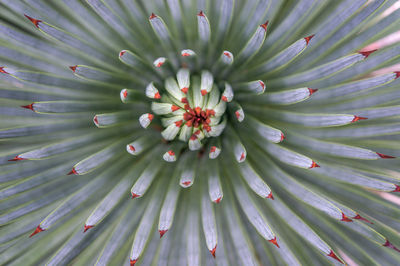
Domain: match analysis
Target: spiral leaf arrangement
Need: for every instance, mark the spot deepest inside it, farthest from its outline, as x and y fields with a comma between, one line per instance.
x=283, y=112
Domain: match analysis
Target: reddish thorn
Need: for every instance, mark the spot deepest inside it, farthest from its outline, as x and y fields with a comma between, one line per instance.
x=73, y=172
x=201, y=14
x=345, y=218
x=125, y=93
x=150, y=117
x=134, y=195
x=213, y=149
x=262, y=84
x=309, y=38
x=273, y=241
x=17, y=158
x=122, y=53
x=203, y=92
x=184, y=90
x=218, y=200
x=396, y=72
x=95, y=120
x=160, y=64
x=333, y=255
x=390, y=245
x=186, y=183
x=237, y=114
x=132, y=262
x=224, y=98
x=157, y=95
x=356, y=118
x=37, y=230
x=397, y=189
x=314, y=165
x=152, y=16
x=30, y=106
x=359, y=217
x=367, y=53
x=227, y=54
x=171, y=152
x=184, y=100
x=213, y=251
x=174, y=108
x=264, y=26
x=162, y=232
x=87, y=227
x=185, y=54
x=3, y=71
x=282, y=137
x=73, y=68
x=383, y=156
x=270, y=196
x=132, y=148
x=312, y=91
x=242, y=156
x=34, y=21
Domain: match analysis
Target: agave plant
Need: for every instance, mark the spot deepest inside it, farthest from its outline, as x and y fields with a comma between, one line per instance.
x=256, y=132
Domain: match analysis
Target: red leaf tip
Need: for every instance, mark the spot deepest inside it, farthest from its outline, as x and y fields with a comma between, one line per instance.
x=397, y=189
x=122, y=53
x=390, y=245
x=87, y=227
x=270, y=196
x=264, y=26
x=218, y=200
x=367, y=53
x=201, y=14
x=273, y=241
x=345, y=218
x=312, y=91
x=37, y=230
x=333, y=255
x=384, y=156
x=357, y=118
x=73, y=172
x=162, y=232
x=34, y=21
x=132, y=262
x=309, y=38
x=29, y=106
x=3, y=71
x=73, y=68
x=396, y=72
x=134, y=195
x=314, y=165
x=282, y=137
x=152, y=16
x=359, y=217
x=213, y=251
x=16, y=158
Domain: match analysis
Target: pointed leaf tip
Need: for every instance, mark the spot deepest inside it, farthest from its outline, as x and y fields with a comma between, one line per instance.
x=73, y=172
x=34, y=21
x=390, y=245
x=359, y=217
x=367, y=53
x=87, y=227
x=213, y=251
x=357, y=118
x=134, y=195
x=282, y=137
x=201, y=14
x=397, y=189
x=333, y=255
x=37, y=230
x=312, y=91
x=132, y=262
x=270, y=196
x=122, y=53
x=309, y=38
x=152, y=16
x=29, y=106
x=314, y=165
x=17, y=158
x=218, y=200
x=273, y=241
x=396, y=72
x=162, y=232
x=3, y=71
x=345, y=218
x=264, y=26
x=383, y=156
x=73, y=68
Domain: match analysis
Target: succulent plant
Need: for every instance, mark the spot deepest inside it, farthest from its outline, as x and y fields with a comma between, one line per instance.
x=258, y=132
